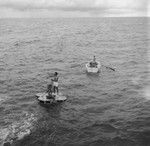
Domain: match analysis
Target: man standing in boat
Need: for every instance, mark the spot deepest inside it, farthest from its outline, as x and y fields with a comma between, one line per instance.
x=55, y=82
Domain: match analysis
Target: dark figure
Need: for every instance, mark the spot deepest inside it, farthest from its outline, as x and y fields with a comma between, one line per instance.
x=49, y=91
x=93, y=63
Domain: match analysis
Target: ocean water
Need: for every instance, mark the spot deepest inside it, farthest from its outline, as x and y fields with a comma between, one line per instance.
x=108, y=109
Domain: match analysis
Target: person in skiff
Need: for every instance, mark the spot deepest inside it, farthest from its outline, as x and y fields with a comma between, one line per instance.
x=93, y=63
x=55, y=82
x=49, y=91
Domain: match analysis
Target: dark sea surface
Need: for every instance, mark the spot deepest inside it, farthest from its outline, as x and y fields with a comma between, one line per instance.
x=108, y=109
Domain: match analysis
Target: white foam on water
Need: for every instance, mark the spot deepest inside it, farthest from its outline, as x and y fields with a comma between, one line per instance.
x=136, y=80
x=3, y=135
x=146, y=92
x=3, y=98
x=18, y=129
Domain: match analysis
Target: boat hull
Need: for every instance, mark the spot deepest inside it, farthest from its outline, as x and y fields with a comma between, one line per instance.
x=42, y=97
x=93, y=69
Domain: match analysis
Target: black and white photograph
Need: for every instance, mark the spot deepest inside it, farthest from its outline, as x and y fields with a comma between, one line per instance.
x=74, y=73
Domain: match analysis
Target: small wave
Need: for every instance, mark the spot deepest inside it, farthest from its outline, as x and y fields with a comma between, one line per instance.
x=2, y=69
x=57, y=69
x=3, y=98
x=26, y=42
x=125, y=89
x=136, y=80
x=2, y=82
x=75, y=65
x=99, y=109
x=77, y=86
x=105, y=127
x=104, y=93
x=129, y=63
x=118, y=95
x=133, y=62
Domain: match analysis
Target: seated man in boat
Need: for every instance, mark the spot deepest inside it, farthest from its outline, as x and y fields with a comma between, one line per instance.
x=49, y=90
x=93, y=63
x=55, y=82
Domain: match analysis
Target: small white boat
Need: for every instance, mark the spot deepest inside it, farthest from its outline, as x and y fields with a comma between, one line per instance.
x=93, y=69
x=43, y=98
